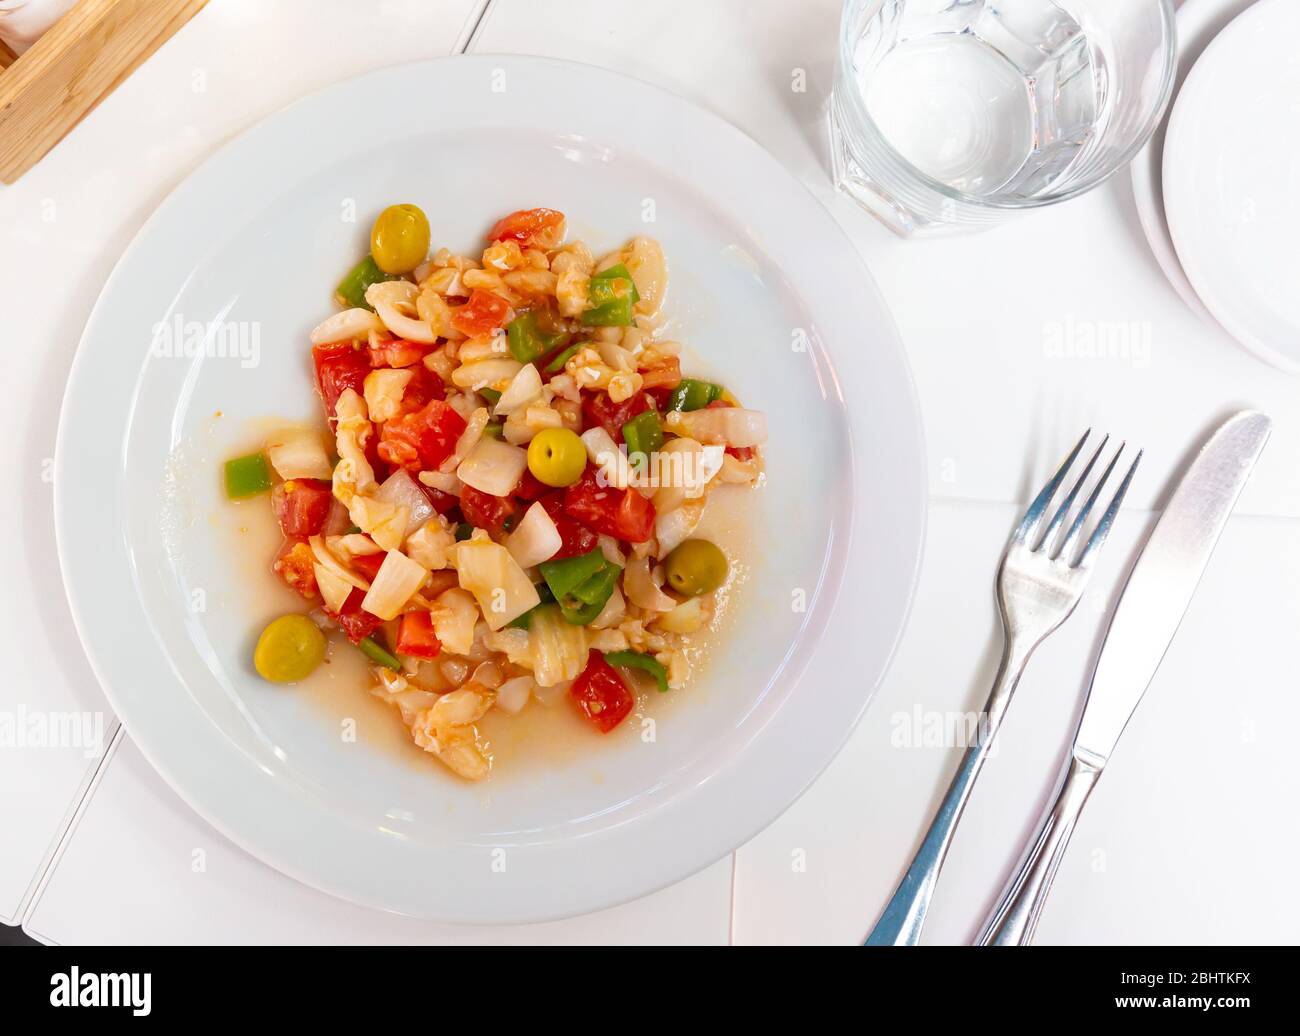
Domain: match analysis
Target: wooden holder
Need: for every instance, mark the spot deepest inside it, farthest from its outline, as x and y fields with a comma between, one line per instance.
x=74, y=66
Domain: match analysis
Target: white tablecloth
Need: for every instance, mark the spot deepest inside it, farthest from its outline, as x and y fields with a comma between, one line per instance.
x=1190, y=819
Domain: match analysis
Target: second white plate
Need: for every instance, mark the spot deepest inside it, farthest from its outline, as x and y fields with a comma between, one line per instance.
x=1232, y=180
x=1198, y=22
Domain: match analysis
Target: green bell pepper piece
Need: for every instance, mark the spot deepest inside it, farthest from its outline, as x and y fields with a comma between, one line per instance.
x=589, y=600
x=247, y=476
x=581, y=585
x=528, y=342
x=491, y=395
x=693, y=394
x=612, y=294
x=494, y=429
x=636, y=660
x=378, y=654
x=352, y=288
x=643, y=435
x=464, y=531
x=567, y=574
x=561, y=358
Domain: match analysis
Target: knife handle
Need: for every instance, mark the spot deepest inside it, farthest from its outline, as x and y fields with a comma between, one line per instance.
x=1014, y=919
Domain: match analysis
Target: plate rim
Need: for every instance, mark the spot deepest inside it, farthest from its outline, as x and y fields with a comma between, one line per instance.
x=1191, y=19
x=889, y=342
x=1180, y=115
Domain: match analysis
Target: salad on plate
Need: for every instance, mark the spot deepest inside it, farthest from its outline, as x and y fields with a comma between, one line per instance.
x=503, y=505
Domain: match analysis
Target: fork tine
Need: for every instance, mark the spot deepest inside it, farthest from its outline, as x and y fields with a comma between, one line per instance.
x=1072, y=536
x=1044, y=498
x=1099, y=534
x=1059, y=518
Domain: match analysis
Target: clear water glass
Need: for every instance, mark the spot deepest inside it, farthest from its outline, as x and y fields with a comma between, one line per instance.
x=956, y=114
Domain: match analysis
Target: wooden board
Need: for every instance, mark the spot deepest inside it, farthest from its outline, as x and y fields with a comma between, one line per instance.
x=73, y=67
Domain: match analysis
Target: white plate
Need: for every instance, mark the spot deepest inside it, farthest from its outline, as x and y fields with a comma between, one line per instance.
x=1198, y=22
x=1232, y=180
x=255, y=239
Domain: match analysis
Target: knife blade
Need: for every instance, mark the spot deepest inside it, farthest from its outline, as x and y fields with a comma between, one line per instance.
x=1164, y=578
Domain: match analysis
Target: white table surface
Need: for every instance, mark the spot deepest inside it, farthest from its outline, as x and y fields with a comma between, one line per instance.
x=1185, y=825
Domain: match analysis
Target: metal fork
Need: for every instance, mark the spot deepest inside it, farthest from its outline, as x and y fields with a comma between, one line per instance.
x=1040, y=582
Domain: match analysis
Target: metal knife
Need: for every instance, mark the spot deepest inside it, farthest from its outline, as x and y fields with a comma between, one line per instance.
x=1154, y=600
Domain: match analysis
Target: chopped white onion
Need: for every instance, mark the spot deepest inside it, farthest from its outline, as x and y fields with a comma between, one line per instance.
x=612, y=614
x=443, y=481
x=483, y=373
x=339, y=520
x=299, y=453
x=500, y=586
x=609, y=547
x=493, y=467
x=333, y=588
x=468, y=440
x=602, y=451
x=672, y=528
x=535, y=539
x=522, y=390
x=327, y=560
x=403, y=491
x=642, y=589
x=398, y=578
x=513, y=695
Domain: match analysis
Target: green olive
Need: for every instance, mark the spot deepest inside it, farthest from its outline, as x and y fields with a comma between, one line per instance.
x=557, y=457
x=289, y=649
x=696, y=567
x=399, y=241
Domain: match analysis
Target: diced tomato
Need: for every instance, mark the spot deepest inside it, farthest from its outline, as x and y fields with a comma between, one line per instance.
x=422, y=439
x=575, y=538
x=339, y=367
x=354, y=620
x=622, y=513
x=484, y=511
x=302, y=505
x=543, y=228
x=599, y=409
x=381, y=467
x=600, y=693
x=423, y=386
x=295, y=564
x=530, y=487
x=481, y=315
x=415, y=636
x=369, y=564
x=396, y=352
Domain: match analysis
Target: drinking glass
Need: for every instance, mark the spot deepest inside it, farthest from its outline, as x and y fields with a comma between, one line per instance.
x=956, y=114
